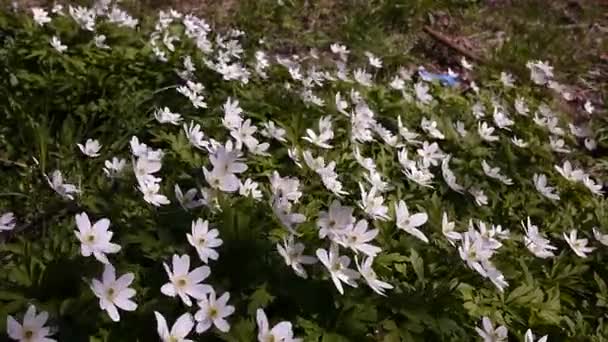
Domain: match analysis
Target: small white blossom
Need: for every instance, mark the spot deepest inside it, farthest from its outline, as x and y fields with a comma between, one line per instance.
x=57, y=45
x=410, y=223
x=204, y=240
x=490, y=334
x=7, y=222
x=90, y=148
x=114, y=292
x=185, y=283
x=540, y=183
x=579, y=246
x=292, y=253
x=164, y=115
x=32, y=329
x=95, y=239
x=213, y=312
x=41, y=16
x=337, y=265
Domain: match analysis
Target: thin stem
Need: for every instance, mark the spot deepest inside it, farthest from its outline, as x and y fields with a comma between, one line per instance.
x=14, y=163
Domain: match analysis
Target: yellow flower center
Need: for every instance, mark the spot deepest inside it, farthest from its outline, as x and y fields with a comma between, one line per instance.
x=181, y=282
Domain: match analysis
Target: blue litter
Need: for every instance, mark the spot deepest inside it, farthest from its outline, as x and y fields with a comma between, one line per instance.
x=445, y=79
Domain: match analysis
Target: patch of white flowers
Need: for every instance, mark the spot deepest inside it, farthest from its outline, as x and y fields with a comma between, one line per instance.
x=347, y=234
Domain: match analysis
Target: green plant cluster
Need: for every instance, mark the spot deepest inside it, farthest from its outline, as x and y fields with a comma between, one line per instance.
x=52, y=101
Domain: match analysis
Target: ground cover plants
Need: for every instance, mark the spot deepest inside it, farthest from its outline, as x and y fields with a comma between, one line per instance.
x=166, y=180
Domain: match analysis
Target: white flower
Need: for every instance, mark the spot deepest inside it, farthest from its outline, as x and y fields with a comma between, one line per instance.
x=150, y=190
x=410, y=137
x=193, y=91
x=195, y=135
x=480, y=197
x=95, y=239
x=287, y=187
x=558, y=145
x=205, y=240
x=179, y=331
x=32, y=330
x=7, y=221
x=226, y=163
x=485, y=132
x=602, y=238
x=373, y=60
x=410, y=223
x=281, y=332
x=501, y=119
x=340, y=50
x=232, y=114
x=529, y=337
x=572, y=175
x=213, y=312
x=337, y=266
x=397, y=83
x=417, y=173
x=588, y=107
x=447, y=229
x=460, y=128
x=121, y=18
x=187, y=200
x=521, y=107
x=494, y=172
x=243, y=134
x=114, y=292
x=431, y=154
x=57, y=45
x=490, y=334
x=183, y=282
x=373, y=205
x=465, y=64
x=422, y=93
x=292, y=253
x=448, y=175
x=281, y=207
x=115, y=167
x=164, y=115
x=540, y=72
x=540, y=183
x=85, y=17
x=535, y=242
x=249, y=188
x=579, y=246
x=270, y=130
x=519, y=142
x=367, y=272
x=357, y=238
x=595, y=188
x=362, y=77
x=507, y=80
x=326, y=133
x=337, y=220
x=65, y=190
x=430, y=126
x=590, y=144
x=41, y=16
x=366, y=163
x=100, y=41
x=478, y=110
x=90, y=148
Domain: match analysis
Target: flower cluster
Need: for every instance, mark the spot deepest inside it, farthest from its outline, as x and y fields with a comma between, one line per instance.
x=344, y=185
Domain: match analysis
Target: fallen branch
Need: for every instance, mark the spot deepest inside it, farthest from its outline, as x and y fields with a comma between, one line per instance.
x=445, y=40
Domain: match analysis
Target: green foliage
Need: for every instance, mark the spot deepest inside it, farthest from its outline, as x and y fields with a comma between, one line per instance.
x=53, y=101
